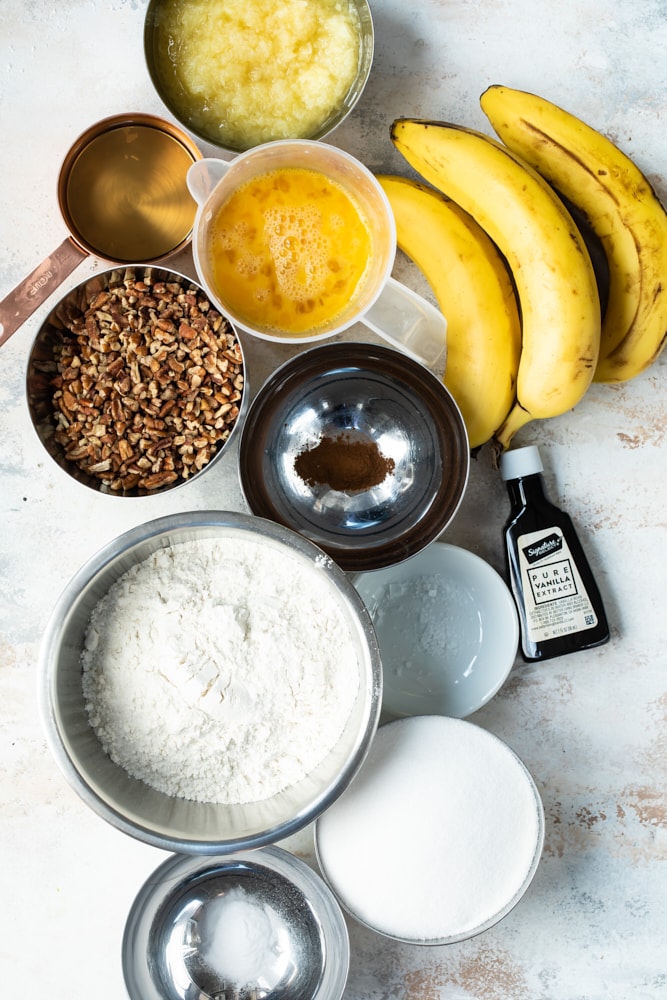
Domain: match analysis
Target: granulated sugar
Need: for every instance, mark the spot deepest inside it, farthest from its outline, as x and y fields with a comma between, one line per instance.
x=438, y=834
x=220, y=670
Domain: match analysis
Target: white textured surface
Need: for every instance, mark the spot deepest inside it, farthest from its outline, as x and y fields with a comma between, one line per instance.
x=590, y=727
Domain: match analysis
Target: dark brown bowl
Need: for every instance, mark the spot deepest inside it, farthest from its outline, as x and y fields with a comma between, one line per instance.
x=345, y=401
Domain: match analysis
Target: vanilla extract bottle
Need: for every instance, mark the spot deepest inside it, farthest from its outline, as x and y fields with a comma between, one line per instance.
x=559, y=604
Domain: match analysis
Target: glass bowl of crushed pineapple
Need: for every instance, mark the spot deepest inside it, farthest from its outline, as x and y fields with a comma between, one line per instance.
x=238, y=73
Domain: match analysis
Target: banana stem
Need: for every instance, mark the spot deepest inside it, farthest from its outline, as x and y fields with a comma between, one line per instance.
x=517, y=417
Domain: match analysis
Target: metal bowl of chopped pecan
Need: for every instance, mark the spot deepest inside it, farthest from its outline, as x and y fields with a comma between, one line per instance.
x=135, y=383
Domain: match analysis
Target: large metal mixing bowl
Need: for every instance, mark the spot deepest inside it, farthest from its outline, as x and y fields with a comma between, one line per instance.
x=172, y=822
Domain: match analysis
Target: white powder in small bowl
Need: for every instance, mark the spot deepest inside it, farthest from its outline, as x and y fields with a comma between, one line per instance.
x=438, y=836
x=242, y=938
x=221, y=670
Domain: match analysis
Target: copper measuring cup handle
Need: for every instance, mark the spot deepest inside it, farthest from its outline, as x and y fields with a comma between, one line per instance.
x=22, y=301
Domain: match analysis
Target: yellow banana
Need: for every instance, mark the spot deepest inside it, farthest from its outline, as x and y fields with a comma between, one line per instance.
x=552, y=270
x=473, y=288
x=620, y=206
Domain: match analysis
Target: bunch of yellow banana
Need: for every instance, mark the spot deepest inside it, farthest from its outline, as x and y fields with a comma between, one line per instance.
x=621, y=208
x=472, y=286
x=545, y=251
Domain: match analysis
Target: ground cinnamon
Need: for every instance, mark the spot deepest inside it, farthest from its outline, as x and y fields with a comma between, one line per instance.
x=343, y=464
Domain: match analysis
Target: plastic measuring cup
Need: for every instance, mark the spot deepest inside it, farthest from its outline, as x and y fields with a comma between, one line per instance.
x=385, y=305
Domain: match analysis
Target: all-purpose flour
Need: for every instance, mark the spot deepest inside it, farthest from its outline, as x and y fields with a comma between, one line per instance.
x=220, y=670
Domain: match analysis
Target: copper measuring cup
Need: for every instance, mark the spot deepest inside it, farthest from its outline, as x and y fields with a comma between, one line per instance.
x=123, y=196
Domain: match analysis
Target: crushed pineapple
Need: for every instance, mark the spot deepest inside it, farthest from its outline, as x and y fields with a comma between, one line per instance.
x=248, y=71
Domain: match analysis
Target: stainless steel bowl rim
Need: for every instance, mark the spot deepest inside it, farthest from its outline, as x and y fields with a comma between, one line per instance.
x=271, y=414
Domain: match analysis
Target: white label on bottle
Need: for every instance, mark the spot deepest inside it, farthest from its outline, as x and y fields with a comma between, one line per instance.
x=555, y=597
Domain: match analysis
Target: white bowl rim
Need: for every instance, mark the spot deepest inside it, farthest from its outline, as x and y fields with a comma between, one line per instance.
x=491, y=921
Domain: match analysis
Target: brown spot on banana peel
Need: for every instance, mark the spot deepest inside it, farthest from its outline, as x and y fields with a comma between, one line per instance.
x=621, y=356
x=637, y=191
x=617, y=358
x=519, y=416
x=425, y=122
x=595, y=247
x=550, y=143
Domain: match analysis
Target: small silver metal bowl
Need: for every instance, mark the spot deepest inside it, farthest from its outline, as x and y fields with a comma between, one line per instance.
x=168, y=821
x=365, y=394
x=174, y=96
x=257, y=925
x=42, y=370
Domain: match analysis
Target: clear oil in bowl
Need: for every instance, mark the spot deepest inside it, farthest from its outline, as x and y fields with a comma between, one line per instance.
x=126, y=194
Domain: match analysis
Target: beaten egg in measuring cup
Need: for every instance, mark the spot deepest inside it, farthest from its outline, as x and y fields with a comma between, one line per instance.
x=290, y=248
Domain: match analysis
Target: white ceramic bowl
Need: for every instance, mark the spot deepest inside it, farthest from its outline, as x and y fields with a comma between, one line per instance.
x=448, y=631
x=438, y=837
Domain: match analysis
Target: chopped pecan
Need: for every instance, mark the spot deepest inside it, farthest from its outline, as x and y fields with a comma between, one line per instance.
x=146, y=384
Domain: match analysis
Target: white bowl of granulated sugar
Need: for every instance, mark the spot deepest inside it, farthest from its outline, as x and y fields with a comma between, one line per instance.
x=209, y=682
x=440, y=835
